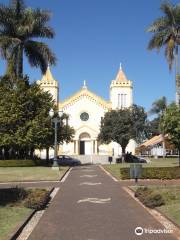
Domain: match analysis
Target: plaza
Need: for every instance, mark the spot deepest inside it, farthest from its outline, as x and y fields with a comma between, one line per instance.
x=89, y=146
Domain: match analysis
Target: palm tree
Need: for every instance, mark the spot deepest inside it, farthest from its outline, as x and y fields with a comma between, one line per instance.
x=19, y=29
x=166, y=33
x=159, y=106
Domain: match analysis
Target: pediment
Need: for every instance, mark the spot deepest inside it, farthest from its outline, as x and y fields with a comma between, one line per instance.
x=86, y=129
x=85, y=93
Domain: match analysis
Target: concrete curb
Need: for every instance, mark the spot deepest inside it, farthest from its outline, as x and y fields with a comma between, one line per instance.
x=109, y=174
x=167, y=223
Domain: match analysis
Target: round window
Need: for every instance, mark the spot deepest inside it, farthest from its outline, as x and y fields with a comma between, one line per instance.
x=84, y=116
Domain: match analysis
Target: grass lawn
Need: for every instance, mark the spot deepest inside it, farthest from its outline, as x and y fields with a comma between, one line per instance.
x=30, y=173
x=171, y=195
x=161, y=162
x=10, y=219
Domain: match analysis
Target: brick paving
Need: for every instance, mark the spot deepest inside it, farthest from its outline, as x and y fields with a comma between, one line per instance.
x=91, y=206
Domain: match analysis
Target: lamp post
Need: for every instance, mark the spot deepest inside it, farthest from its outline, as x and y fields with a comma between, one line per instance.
x=55, y=120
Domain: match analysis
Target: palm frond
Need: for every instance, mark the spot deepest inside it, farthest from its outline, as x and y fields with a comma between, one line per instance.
x=168, y=10
x=18, y=6
x=39, y=55
x=157, y=40
x=18, y=25
x=8, y=46
x=158, y=25
x=40, y=27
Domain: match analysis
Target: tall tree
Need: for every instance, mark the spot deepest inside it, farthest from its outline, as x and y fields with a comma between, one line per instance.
x=139, y=126
x=153, y=128
x=122, y=125
x=170, y=124
x=158, y=108
x=25, y=124
x=19, y=29
x=166, y=33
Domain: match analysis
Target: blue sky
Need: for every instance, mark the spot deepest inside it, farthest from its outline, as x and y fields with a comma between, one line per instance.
x=94, y=36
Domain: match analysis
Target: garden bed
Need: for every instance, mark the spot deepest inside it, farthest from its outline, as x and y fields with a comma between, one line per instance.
x=164, y=199
x=16, y=204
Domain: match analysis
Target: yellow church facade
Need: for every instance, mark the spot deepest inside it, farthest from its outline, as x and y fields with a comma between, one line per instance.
x=85, y=110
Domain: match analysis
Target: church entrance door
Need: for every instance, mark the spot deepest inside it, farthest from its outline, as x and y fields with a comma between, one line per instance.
x=85, y=144
x=85, y=148
x=82, y=147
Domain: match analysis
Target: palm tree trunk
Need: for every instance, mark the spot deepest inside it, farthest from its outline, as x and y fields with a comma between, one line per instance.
x=177, y=77
x=20, y=62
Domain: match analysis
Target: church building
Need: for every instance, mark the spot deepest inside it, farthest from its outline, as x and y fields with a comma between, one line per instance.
x=85, y=110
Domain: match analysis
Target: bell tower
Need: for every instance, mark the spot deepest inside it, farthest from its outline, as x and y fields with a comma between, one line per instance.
x=121, y=91
x=49, y=84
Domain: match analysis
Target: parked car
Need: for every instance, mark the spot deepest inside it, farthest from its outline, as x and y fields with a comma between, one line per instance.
x=129, y=158
x=64, y=160
x=138, y=159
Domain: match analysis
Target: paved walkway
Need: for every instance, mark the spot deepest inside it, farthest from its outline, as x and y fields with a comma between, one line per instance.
x=91, y=206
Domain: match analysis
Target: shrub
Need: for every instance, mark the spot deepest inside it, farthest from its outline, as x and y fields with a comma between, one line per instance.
x=37, y=199
x=154, y=200
x=142, y=193
x=11, y=195
x=148, y=197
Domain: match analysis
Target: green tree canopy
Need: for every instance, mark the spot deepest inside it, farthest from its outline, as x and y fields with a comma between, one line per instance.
x=170, y=124
x=25, y=124
x=153, y=128
x=122, y=125
x=158, y=108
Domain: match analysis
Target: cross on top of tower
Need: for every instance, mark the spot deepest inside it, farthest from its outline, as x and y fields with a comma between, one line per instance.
x=84, y=84
x=120, y=66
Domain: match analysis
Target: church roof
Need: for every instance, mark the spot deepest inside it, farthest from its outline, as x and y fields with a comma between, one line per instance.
x=84, y=92
x=121, y=80
x=121, y=77
x=48, y=77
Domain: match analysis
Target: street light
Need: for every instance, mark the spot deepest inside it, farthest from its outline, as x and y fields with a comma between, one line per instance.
x=55, y=120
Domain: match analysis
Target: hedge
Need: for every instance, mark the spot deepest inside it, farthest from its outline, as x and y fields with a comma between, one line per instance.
x=154, y=173
x=22, y=163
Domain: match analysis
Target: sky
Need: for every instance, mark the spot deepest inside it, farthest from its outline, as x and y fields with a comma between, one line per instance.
x=94, y=36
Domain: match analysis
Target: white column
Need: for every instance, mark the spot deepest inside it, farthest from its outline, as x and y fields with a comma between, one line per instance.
x=74, y=150
x=96, y=147
x=77, y=147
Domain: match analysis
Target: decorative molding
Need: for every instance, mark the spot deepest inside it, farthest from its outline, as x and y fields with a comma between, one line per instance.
x=89, y=95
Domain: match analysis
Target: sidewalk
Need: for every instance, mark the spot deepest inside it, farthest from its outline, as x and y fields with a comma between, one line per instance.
x=91, y=206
